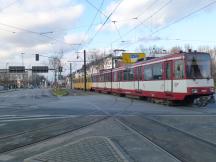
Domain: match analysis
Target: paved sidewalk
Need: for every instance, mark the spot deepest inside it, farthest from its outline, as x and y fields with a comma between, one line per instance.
x=92, y=149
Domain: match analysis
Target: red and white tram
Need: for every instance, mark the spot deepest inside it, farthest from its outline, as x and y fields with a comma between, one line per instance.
x=176, y=77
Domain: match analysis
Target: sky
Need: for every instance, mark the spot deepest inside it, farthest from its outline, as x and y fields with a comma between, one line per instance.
x=69, y=26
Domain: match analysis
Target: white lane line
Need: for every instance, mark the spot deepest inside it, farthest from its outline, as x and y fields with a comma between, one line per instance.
x=27, y=119
x=43, y=118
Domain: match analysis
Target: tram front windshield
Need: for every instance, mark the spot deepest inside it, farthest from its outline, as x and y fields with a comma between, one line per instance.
x=198, y=66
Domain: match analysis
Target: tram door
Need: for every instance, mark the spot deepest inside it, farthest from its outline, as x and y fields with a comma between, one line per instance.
x=168, y=82
x=137, y=84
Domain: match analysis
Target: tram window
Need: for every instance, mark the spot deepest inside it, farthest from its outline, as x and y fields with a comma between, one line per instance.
x=102, y=78
x=131, y=74
x=157, y=71
x=105, y=77
x=139, y=73
x=115, y=76
x=168, y=71
x=109, y=77
x=148, y=73
x=119, y=76
x=125, y=74
x=179, y=69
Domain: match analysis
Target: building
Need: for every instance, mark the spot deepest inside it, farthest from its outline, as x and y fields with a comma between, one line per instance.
x=101, y=64
x=13, y=79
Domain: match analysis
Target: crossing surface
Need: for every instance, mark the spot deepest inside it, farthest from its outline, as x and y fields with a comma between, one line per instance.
x=34, y=123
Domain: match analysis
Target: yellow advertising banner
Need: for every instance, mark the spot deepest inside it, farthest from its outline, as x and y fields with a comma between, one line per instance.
x=130, y=58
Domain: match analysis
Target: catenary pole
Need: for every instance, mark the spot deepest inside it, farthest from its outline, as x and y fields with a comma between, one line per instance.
x=85, y=70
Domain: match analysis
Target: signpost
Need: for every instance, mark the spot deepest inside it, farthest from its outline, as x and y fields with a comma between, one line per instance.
x=40, y=69
x=16, y=69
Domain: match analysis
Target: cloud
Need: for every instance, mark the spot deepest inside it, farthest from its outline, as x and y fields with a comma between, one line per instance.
x=75, y=38
x=151, y=12
x=41, y=17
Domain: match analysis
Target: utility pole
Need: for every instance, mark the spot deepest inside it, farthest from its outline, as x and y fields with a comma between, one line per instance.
x=71, y=76
x=24, y=72
x=55, y=76
x=85, y=70
x=6, y=76
x=112, y=59
x=22, y=58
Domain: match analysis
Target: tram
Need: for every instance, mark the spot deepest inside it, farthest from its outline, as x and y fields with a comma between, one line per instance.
x=185, y=76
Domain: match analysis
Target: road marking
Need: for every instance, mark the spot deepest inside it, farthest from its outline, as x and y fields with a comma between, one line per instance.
x=42, y=118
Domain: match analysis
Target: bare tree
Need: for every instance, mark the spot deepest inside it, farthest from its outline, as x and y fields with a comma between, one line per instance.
x=187, y=47
x=95, y=54
x=55, y=63
x=175, y=49
x=152, y=50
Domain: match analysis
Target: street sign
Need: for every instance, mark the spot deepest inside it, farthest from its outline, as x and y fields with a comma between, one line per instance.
x=40, y=69
x=37, y=57
x=16, y=69
x=130, y=58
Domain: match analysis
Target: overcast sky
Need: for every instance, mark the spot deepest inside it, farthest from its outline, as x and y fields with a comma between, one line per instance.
x=49, y=26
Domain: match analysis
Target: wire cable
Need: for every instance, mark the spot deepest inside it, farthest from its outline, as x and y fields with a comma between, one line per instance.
x=101, y=27
x=114, y=22
x=184, y=17
x=9, y=5
x=12, y=32
x=33, y=32
x=178, y=20
x=98, y=9
x=142, y=22
x=93, y=20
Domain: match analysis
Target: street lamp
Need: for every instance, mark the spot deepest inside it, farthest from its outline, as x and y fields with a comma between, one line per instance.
x=6, y=76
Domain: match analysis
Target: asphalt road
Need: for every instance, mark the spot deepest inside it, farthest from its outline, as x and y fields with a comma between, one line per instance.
x=33, y=121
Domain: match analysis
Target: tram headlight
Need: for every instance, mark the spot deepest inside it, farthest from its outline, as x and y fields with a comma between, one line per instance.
x=212, y=89
x=194, y=90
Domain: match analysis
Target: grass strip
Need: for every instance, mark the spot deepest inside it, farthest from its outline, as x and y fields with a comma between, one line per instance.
x=60, y=92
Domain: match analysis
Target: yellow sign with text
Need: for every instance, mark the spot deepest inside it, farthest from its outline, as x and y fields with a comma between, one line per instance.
x=130, y=58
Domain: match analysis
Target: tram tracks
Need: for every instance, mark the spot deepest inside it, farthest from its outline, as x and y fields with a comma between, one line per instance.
x=118, y=118
x=8, y=144
x=161, y=135
x=180, y=144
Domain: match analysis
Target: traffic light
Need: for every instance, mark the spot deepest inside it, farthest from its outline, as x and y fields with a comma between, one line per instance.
x=37, y=57
x=60, y=69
